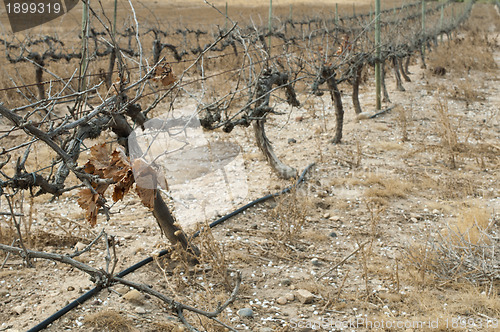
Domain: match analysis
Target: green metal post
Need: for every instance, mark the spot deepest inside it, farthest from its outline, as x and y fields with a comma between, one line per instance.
x=83, y=61
x=114, y=18
x=336, y=13
x=270, y=24
x=378, y=75
x=423, y=26
x=441, y=22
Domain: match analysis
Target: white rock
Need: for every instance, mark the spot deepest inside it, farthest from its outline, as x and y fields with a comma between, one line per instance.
x=19, y=309
x=134, y=296
x=245, y=312
x=281, y=300
x=365, y=115
x=140, y=310
x=122, y=289
x=315, y=262
x=305, y=296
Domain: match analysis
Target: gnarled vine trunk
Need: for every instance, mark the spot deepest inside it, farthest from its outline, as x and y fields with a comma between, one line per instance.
x=263, y=92
x=328, y=74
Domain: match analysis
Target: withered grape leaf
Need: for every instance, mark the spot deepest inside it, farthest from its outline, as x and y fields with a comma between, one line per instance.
x=99, y=156
x=123, y=187
x=87, y=201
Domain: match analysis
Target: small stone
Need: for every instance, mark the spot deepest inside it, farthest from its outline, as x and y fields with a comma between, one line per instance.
x=290, y=297
x=128, y=237
x=4, y=293
x=18, y=309
x=134, y=296
x=245, y=312
x=122, y=289
x=292, y=287
x=326, y=215
x=364, y=115
x=179, y=328
x=315, y=262
x=266, y=329
x=305, y=296
x=413, y=220
x=292, y=141
x=70, y=288
x=286, y=282
x=333, y=234
x=140, y=310
x=299, y=118
x=335, y=218
x=281, y=300
x=254, y=226
x=80, y=246
x=141, y=230
x=436, y=211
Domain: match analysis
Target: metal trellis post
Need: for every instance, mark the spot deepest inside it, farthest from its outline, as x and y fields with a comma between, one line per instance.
x=378, y=55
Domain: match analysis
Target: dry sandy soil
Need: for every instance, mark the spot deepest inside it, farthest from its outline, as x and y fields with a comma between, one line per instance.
x=394, y=184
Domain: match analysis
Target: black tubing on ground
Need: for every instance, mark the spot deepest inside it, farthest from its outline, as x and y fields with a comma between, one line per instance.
x=94, y=291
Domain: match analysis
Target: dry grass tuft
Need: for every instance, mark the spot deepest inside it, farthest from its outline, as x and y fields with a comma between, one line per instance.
x=290, y=216
x=447, y=132
x=402, y=121
x=213, y=254
x=110, y=320
x=472, y=226
x=388, y=188
x=466, y=56
x=462, y=252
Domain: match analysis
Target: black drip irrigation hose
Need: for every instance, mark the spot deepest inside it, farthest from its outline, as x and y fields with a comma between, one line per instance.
x=94, y=291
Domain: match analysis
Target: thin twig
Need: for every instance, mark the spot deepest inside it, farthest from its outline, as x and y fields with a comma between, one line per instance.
x=18, y=228
x=343, y=260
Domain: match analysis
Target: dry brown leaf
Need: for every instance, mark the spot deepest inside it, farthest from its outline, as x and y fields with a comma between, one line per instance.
x=99, y=156
x=89, y=168
x=87, y=199
x=118, y=167
x=123, y=187
x=88, y=202
x=164, y=74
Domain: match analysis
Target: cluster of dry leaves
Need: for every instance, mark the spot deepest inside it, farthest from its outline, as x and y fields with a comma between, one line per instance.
x=117, y=167
x=164, y=74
